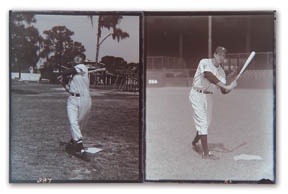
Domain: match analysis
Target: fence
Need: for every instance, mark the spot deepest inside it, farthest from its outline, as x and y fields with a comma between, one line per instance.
x=164, y=62
x=125, y=80
x=234, y=61
x=259, y=73
x=261, y=61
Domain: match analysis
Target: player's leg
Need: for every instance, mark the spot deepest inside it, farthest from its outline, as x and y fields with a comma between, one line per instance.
x=73, y=117
x=206, y=153
x=73, y=114
x=204, y=137
x=205, y=124
x=206, y=120
x=198, y=102
x=195, y=146
x=204, y=143
x=75, y=146
x=84, y=110
x=196, y=138
x=202, y=119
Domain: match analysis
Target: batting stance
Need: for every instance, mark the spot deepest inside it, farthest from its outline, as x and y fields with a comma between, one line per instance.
x=78, y=104
x=208, y=77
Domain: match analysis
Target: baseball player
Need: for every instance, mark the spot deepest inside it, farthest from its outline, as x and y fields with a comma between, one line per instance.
x=208, y=77
x=78, y=104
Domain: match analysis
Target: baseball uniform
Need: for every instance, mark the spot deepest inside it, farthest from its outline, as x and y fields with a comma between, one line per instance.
x=79, y=102
x=201, y=94
x=209, y=76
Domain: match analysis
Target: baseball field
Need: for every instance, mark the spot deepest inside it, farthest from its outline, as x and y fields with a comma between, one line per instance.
x=38, y=125
x=241, y=135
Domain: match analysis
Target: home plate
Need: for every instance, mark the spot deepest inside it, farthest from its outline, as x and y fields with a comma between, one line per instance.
x=247, y=157
x=92, y=150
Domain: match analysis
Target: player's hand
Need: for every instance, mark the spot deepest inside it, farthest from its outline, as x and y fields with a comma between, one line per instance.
x=233, y=84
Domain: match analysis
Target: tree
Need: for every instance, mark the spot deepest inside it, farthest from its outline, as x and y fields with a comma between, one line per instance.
x=114, y=64
x=108, y=21
x=59, y=48
x=25, y=41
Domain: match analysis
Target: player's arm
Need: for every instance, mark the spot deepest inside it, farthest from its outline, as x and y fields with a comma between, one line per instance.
x=224, y=91
x=230, y=77
x=70, y=71
x=225, y=88
x=61, y=77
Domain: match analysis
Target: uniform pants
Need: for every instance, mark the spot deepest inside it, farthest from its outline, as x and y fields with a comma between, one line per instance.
x=78, y=109
x=202, y=110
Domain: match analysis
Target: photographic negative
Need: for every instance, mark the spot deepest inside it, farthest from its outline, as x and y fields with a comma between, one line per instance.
x=142, y=96
x=210, y=97
x=75, y=102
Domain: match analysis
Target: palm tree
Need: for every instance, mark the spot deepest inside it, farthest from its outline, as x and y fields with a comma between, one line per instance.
x=108, y=21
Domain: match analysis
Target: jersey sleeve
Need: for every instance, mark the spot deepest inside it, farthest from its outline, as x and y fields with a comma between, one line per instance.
x=81, y=69
x=204, y=66
x=211, y=77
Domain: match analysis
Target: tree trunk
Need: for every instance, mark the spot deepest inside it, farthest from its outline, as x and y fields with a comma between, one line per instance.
x=98, y=39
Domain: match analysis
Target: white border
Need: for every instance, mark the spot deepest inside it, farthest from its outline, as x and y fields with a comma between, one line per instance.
x=152, y=5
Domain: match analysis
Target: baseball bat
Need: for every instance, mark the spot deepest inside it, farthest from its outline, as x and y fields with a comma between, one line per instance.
x=248, y=61
x=97, y=70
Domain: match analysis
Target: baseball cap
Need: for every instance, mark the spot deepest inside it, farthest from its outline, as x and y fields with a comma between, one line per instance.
x=220, y=50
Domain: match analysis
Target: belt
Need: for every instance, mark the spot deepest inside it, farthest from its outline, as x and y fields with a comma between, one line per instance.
x=74, y=94
x=202, y=91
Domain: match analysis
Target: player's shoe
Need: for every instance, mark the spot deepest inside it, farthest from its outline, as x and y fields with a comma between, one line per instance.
x=74, y=146
x=84, y=156
x=209, y=156
x=77, y=149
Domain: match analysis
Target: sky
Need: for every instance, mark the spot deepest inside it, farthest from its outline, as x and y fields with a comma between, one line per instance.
x=85, y=33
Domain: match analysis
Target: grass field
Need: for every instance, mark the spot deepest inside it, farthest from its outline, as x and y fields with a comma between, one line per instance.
x=39, y=123
x=242, y=123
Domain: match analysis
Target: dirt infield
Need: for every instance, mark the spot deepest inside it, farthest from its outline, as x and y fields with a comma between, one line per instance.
x=242, y=124
x=39, y=123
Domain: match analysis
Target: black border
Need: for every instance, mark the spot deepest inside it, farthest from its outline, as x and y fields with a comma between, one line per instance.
x=275, y=97
x=10, y=103
x=224, y=13
x=143, y=98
